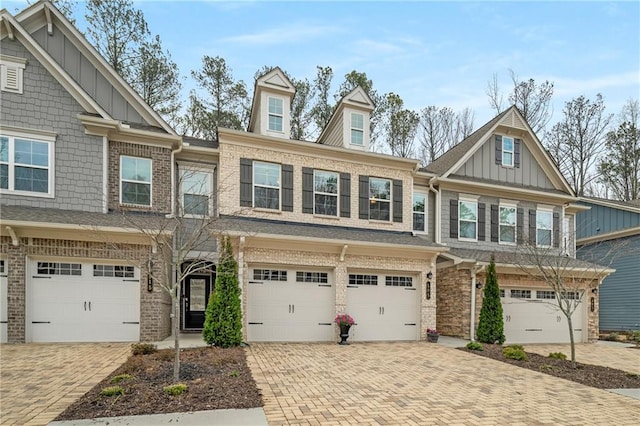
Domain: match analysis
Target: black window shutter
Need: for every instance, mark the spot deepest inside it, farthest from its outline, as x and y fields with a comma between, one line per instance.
x=307, y=190
x=246, y=182
x=495, y=222
x=532, y=227
x=287, y=188
x=556, y=230
x=345, y=195
x=482, y=222
x=520, y=225
x=453, y=218
x=498, y=150
x=397, y=200
x=364, y=197
x=516, y=152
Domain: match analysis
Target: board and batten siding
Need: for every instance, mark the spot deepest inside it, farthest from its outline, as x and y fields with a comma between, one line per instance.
x=86, y=75
x=482, y=165
x=600, y=220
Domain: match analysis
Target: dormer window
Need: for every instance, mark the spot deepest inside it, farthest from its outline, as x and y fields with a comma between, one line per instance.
x=357, y=129
x=507, y=151
x=276, y=111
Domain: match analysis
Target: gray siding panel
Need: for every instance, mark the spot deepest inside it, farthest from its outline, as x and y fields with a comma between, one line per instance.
x=603, y=220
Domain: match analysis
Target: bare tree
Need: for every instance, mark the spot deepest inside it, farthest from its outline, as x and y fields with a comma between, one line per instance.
x=620, y=167
x=578, y=140
x=434, y=131
x=464, y=124
x=496, y=97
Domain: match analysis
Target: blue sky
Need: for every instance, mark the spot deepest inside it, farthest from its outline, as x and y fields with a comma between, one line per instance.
x=430, y=53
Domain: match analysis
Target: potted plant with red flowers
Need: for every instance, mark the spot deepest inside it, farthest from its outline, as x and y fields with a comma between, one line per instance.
x=432, y=335
x=344, y=321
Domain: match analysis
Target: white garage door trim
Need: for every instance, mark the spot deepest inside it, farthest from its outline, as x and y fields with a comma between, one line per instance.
x=532, y=316
x=385, y=306
x=290, y=304
x=82, y=301
x=3, y=300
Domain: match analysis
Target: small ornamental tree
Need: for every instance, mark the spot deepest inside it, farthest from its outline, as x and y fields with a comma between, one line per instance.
x=223, y=317
x=491, y=325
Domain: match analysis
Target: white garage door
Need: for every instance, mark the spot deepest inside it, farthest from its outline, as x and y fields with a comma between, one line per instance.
x=3, y=301
x=83, y=302
x=531, y=316
x=385, y=307
x=289, y=305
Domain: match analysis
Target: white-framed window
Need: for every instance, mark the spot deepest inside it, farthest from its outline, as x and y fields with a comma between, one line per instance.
x=363, y=279
x=113, y=271
x=270, y=275
x=12, y=73
x=507, y=224
x=507, y=151
x=567, y=241
x=26, y=165
x=325, y=193
x=398, y=281
x=420, y=212
x=545, y=294
x=379, y=199
x=544, y=228
x=357, y=129
x=135, y=180
x=266, y=185
x=312, y=277
x=59, y=268
x=468, y=220
x=276, y=113
x=521, y=294
x=196, y=188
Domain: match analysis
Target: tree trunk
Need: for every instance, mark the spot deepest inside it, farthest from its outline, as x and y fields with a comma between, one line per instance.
x=573, y=343
x=176, y=333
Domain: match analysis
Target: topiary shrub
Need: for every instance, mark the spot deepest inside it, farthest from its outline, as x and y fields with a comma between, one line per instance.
x=491, y=324
x=223, y=317
x=475, y=346
x=516, y=353
x=112, y=391
x=557, y=355
x=143, y=348
x=175, y=390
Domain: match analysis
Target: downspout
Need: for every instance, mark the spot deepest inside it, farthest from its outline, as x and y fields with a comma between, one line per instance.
x=173, y=178
x=474, y=271
x=437, y=226
x=243, y=290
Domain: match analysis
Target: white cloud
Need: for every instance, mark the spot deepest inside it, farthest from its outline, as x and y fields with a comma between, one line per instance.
x=290, y=33
x=577, y=87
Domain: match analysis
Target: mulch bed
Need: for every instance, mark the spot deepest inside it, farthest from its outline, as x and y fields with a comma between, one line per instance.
x=216, y=378
x=586, y=374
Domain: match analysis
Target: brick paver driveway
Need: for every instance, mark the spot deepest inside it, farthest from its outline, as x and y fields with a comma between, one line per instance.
x=614, y=356
x=419, y=383
x=38, y=381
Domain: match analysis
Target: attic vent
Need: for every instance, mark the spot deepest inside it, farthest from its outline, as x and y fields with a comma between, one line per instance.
x=11, y=72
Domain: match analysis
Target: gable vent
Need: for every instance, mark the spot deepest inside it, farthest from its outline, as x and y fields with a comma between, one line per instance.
x=11, y=79
x=11, y=72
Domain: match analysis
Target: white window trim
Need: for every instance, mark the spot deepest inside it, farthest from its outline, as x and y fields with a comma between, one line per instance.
x=355, y=128
x=186, y=168
x=568, y=247
x=49, y=138
x=515, y=226
x=511, y=151
x=472, y=200
x=544, y=210
x=150, y=183
x=337, y=194
x=269, y=113
x=254, y=184
x=371, y=198
x=425, y=213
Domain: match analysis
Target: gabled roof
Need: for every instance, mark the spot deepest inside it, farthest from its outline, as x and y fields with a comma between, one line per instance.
x=357, y=98
x=32, y=14
x=453, y=159
x=275, y=80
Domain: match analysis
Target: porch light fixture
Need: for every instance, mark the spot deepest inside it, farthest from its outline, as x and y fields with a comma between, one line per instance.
x=594, y=290
x=479, y=285
x=429, y=275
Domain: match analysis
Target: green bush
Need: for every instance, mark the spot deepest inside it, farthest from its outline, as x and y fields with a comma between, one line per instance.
x=175, y=390
x=635, y=335
x=512, y=352
x=491, y=324
x=143, y=348
x=612, y=337
x=557, y=355
x=112, y=391
x=475, y=346
x=223, y=316
x=517, y=347
x=121, y=378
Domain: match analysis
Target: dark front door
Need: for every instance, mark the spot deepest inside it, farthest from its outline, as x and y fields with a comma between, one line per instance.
x=196, y=295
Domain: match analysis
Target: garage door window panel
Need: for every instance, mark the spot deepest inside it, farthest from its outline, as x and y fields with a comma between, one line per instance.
x=398, y=281
x=312, y=277
x=135, y=178
x=363, y=279
x=266, y=185
x=379, y=199
x=269, y=275
x=58, y=268
x=113, y=271
x=545, y=294
x=521, y=294
x=325, y=193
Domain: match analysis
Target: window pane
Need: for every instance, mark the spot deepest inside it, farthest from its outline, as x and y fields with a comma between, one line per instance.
x=196, y=183
x=357, y=121
x=267, y=198
x=467, y=230
x=507, y=144
x=544, y=237
x=326, y=204
x=419, y=201
x=266, y=174
x=508, y=215
x=380, y=188
x=275, y=123
x=507, y=234
x=31, y=152
x=418, y=221
x=357, y=137
x=196, y=204
x=543, y=220
x=275, y=106
x=4, y=176
x=138, y=169
x=468, y=211
x=4, y=149
x=326, y=182
x=136, y=193
x=507, y=158
x=379, y=210
x=33, y=180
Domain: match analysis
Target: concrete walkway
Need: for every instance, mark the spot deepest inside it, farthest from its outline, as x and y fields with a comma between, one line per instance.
x=246, y=417
x=419, y=383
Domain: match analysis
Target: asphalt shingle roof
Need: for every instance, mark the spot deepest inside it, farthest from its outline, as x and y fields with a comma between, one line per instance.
x=515, y=258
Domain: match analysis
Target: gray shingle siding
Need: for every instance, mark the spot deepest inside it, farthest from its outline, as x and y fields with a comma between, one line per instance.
x=45, y=105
